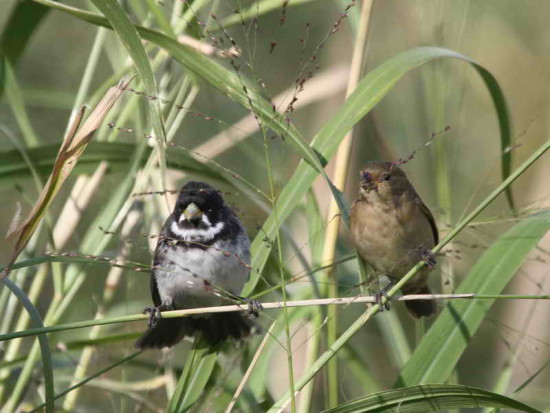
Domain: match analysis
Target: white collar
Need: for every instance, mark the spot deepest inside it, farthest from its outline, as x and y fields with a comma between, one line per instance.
x=198, y=234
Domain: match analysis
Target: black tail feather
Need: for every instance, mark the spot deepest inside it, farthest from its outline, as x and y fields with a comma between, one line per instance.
x=421, y=308
x=166, y=333
x=215, y=329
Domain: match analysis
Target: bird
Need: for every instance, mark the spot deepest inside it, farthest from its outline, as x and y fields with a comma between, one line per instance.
x=392, y=230
x=202, y=259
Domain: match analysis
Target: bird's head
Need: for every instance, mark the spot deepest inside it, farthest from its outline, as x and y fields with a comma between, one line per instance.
x=199, y=212
x=382, y=181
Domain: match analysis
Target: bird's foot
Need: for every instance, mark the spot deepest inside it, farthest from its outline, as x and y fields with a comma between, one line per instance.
x=154, y=315
x=254, y=307
x=429, y=258
x=378, y=300
x=383, y=293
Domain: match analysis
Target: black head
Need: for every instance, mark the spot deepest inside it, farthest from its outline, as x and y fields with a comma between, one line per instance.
x=199, y=206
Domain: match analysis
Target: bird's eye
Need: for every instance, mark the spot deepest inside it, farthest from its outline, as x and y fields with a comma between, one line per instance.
x=386, y=177
x=367, y=177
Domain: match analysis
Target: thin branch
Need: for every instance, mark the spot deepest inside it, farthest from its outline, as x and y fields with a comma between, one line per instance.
x=250, y=368
x=266, y=306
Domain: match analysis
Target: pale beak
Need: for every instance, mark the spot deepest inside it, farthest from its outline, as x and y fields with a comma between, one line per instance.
x=192, y=213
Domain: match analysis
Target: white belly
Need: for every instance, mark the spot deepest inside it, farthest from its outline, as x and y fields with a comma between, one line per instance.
x=190, y=278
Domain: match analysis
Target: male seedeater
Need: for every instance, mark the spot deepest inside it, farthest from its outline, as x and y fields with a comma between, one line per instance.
x=392, y=230
x=202, y=255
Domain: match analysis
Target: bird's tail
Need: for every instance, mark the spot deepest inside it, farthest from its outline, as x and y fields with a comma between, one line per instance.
x=214, y=329
x=420, y=308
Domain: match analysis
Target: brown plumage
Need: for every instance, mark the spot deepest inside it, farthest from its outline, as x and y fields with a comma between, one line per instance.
x=393, y=230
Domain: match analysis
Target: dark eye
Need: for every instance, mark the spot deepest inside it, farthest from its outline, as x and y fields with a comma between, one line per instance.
x=386, y=177
x=367, y=177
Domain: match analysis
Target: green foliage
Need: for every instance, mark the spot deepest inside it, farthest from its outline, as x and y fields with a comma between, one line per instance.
x=430, y=398
x=199, y=66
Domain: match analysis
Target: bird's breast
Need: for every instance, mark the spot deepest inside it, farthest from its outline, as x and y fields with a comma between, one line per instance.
x=390, y=239
x=195, y=277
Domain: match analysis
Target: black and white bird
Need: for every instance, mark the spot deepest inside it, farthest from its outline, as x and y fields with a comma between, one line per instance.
x=202, y=255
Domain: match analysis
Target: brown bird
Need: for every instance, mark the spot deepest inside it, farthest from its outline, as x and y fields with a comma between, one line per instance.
x=392, y=229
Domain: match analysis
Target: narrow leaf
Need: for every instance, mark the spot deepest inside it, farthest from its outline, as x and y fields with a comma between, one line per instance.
x=430, y=398
x=22, y=23
x=131, y=40
x=47, y=365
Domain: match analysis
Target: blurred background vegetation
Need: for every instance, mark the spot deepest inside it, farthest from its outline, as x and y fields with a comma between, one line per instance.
x=68, y=62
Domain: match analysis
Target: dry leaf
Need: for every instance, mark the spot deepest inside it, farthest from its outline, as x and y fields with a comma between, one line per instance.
x=15, y=220
x=73, y=145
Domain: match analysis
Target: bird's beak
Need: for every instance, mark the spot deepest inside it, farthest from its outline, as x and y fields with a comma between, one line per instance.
x=192, y=212
x=369, y=186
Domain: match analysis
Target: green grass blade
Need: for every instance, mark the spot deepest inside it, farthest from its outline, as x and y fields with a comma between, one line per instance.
x=3, y=64
x=504, y=123
x=47, y=366
x=359, y=369
x=441, y=348
x=14, y=167
x=160, y=18
x=257, y=9
x=23, y=21
x=198, y=368
x=533, y=377
x=396, y=341
x=430, y=398
x=132, y=42
x=15, y=100
x=256, y=382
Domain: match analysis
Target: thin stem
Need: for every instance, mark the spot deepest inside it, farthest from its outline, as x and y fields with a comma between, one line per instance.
x=266, y=306
x=250, y=368
x=283, y=280
x=340, y=176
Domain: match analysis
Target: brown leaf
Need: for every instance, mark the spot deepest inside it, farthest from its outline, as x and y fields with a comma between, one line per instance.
x=15, y=220
x=71, y=149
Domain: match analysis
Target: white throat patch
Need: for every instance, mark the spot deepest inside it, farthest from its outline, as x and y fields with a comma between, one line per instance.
x=198, y=234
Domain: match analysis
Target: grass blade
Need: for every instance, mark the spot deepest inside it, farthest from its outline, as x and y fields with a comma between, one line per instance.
x=198, y=368
x=47, y=366
x=13, y=165
x=15, y=99
x=430, y=398
x=439, y=351
x=129, y=36
x=23, y=21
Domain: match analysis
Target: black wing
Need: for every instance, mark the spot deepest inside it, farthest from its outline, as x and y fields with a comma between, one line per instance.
x=155, y=290
x=158, y=261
